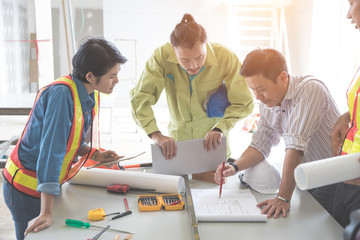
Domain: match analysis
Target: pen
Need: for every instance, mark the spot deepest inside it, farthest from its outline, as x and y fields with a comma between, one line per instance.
x=222, y=169
x=100, y=233
x=126, y=205
x=113, y=162
x=128, y=211
x=121, y=215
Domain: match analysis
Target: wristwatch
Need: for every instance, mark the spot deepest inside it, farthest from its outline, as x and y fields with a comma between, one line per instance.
x=234, y=165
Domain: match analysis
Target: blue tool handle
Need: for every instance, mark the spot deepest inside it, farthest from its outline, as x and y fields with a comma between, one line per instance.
x=122, y=215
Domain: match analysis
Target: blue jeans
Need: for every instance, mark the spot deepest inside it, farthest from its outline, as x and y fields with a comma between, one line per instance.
x=23, y=208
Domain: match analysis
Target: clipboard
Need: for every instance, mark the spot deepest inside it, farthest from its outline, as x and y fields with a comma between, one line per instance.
x=113, y=162
x=191, y=157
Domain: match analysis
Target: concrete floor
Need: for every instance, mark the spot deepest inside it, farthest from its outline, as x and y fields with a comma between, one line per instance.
x=7, y=231
x=9, y=126
x=125, y=138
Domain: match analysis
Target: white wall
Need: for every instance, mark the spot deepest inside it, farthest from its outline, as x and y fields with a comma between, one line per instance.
x=334, y=48
x=61, y=62
x=45, y=44
x=14, y=46
x=298, y=21
x=150, y=23
x=323, y=43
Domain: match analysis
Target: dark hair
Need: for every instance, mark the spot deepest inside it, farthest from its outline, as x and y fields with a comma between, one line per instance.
x=268, y=62
x=187, y=33
x=95, y=55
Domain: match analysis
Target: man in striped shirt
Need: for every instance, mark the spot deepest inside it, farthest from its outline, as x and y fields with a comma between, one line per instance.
x=299, y=109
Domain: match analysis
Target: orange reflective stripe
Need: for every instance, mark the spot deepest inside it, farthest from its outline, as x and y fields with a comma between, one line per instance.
x=26, y=183
x=36, y=98
x=76, y=130
x=76, y=167
x=353, y=88
x=95, y=114
x=25, y=180
x=352, y=140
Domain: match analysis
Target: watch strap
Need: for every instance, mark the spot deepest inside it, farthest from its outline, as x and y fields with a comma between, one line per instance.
x=234, y=165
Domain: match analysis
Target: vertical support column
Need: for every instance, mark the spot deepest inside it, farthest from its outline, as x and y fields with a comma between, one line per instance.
x=45, y=43
x=72, y=26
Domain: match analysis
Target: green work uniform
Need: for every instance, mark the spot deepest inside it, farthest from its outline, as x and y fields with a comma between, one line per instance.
x=186, y=94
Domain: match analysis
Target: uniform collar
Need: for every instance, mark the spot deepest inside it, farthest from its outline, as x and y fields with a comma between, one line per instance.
x=290, y=93
x=87, y=100
x=210, y=57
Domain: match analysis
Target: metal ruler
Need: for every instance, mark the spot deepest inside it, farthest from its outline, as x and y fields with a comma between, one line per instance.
x=193, y=220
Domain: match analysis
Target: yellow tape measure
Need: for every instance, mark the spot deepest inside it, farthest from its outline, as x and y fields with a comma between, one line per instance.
x=96, y=214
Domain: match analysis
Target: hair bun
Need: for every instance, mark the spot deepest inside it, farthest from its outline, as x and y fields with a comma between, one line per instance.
x=187, y=18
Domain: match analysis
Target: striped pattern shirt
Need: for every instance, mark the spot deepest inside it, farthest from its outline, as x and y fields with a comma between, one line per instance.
x=304, y=119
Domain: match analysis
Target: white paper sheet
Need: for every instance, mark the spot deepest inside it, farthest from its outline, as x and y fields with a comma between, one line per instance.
x=191, y=157
x=327, y=171
x=104, y=177
x=234, y=206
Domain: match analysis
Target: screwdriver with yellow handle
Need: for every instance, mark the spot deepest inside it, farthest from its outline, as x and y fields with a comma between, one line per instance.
x=79, y=224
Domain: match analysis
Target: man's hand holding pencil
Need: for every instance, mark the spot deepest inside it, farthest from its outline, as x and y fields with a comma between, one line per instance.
x=223, y=172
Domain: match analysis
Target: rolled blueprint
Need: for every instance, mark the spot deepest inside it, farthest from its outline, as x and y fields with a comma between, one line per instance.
x=104, y=177
x=327, y=171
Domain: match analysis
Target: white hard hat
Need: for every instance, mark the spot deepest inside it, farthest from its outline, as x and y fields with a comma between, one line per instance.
x=263, y=178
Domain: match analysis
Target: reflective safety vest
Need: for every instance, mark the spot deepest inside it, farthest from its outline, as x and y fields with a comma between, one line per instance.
x=25, y=180
x=352, y=139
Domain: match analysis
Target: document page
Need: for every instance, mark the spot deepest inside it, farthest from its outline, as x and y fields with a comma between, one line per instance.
x=234, y=206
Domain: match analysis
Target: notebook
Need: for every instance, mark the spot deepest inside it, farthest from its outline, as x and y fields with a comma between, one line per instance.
x=191, y=157
x=238, y=205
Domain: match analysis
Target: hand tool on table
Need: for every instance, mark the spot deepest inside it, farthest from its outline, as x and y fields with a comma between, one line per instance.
x=113, y=162
x=168, y=202
x=99, y=214
x=124, y=188
x=124, y=167
x=100, y=233
x=128, y=211
x=79, y=224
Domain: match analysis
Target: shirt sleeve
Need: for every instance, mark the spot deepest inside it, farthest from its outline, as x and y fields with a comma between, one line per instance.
x=239, y=95
x=147, y=92
x=306, y=115
x=57, y=110
x=264, y=138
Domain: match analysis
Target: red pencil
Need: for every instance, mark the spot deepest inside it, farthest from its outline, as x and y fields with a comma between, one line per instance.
x=222, y=169
x=126, y=205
